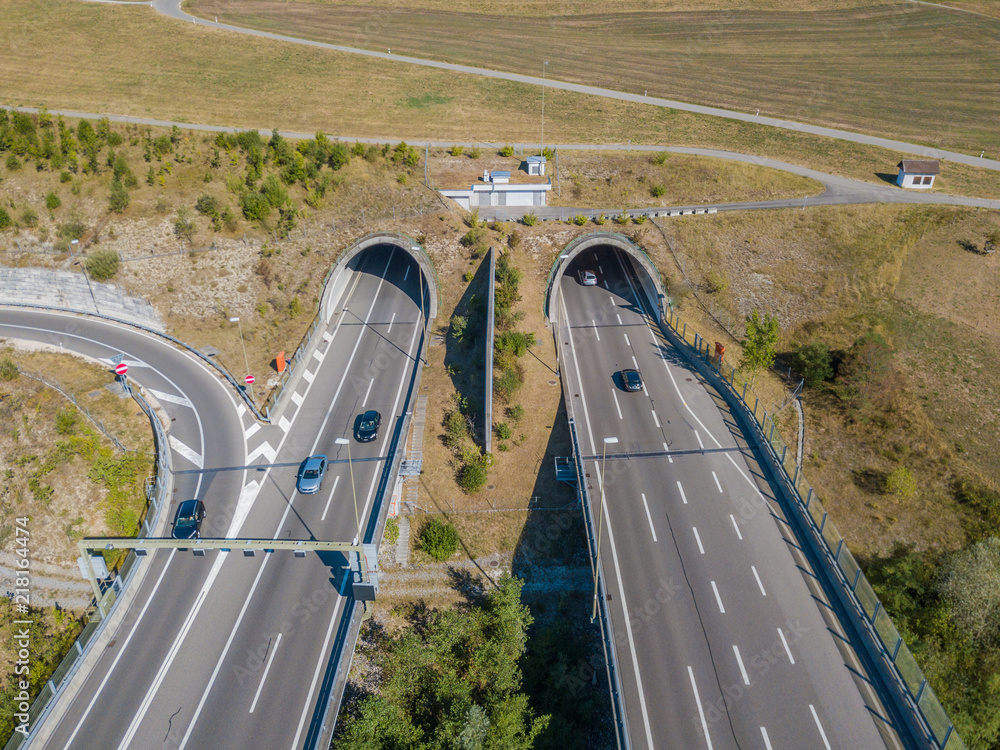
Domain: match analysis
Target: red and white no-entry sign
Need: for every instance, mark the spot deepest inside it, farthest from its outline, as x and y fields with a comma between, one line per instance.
x=121, y=369
x=249, y=379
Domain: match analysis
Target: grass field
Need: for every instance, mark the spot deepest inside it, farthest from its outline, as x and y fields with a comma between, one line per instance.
x=129, y=60
x=897, y=69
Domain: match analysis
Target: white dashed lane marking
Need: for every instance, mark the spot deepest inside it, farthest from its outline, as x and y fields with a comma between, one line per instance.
x=318, y=355
x=308, y=376
x=265, y=450
x=189, y=453
x=327, y=336
x=284, y=424
x=297, y=398
x=251, y=430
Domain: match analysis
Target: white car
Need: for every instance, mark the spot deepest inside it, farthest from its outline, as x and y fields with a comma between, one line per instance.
x=589, y=278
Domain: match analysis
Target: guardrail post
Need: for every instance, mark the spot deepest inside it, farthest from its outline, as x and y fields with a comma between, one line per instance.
x=840, y=546
x=795, y=479
x=743, y=398
x=920, y=692
x=809, y=498
x=784, y=452
x=822, y=523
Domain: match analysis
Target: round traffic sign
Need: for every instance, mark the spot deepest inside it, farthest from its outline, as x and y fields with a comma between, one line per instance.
x=249, y=379
x=121, y=369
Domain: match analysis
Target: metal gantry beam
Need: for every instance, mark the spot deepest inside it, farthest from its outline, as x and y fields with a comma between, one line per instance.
x=364, y=552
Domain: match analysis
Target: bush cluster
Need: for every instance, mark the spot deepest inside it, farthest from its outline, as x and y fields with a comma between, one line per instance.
x=438, y=539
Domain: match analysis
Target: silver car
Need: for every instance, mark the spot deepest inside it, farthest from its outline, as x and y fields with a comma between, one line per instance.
x=311, y=473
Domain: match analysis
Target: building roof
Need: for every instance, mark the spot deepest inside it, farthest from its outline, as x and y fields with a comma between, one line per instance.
x=535, y=159
x=920, y=166
x=499, y=173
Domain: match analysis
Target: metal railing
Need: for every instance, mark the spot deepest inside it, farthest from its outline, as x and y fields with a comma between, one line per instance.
x=156, y=495
x=491, y=294
x=892, y=650
x=607, y=630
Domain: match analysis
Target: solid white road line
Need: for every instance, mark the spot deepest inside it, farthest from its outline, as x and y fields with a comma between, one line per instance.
x=364, y=401
x=767, y=742
x=284, y=424
x=681, y=490
x=739, y=660
x=697, y=538
x=251, y=430
x=392, y=319
x=611, y=543
x=759, y=584
x=716, y=478
x=701, y=711
x=297, y=399
x=172, y=399
x=627, y=342
x=310, y=377
x=738, y=534
x=648, y=517
x=121, y=651
x=596, y=333
x=718, y=598
x=615, y=396
x=270, y=660
x=826, y=742
x=788, y=651
x=333, y=490
x=656, y=419
x=186, y=452
x=700, y=444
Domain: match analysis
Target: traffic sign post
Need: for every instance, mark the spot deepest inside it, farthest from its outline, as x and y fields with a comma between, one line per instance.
x=121, y=369
x=249, y=379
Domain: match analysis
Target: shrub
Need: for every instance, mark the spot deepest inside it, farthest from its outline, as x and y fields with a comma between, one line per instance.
x=529, y=220
x=8, y=369
x=473, y=237
x=473, y=475
x=515, y=413
x=658, y=191
x=600, y=220
x=514, y=241
x=813, y=362
x=183, y=225
x=548, y=153
x=579, y=220
x=391, y=535
x=459, y=324
x=255, y=206
x=294, y=307
x=622, y=218
x=507, y=384
x=503, y=430
x=639, y=219
x=507, y=151
x=900, y=482
x=52, y=201
x=66, y=421
x=207, y=205
x=516, y=342
x=102, y=264
x=438, y=539
x=13, y=163
x=716, y=282
x=474, y=152
x=457, y=150
x=4, y=218
x=455, y=429
x=661, y=158
x=468, y=276
x=29, y=217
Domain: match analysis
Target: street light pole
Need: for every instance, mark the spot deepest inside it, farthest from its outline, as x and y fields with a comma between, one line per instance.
x=236, y=320
x=350, y=464
x=600, y=524
x=542, y=152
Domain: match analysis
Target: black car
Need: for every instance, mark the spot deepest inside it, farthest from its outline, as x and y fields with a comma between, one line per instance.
x=631, y=380
x=187, y=522
x=366, y=428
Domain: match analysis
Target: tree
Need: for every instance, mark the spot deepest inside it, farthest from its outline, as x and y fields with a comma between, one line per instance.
x=183, y=225
x=970, y=582
x=813, y=362
x=865, y=370
x=760, y=344
x=119, y=198
x=102, y=264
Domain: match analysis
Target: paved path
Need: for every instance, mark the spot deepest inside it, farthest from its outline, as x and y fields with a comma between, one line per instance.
x=172, y=8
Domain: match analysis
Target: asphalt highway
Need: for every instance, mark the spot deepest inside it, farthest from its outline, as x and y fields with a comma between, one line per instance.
x=723, y=637
x=226, y=650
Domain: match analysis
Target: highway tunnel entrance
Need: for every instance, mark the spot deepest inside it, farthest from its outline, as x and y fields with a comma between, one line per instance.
x=590, y=253
x=352, y=258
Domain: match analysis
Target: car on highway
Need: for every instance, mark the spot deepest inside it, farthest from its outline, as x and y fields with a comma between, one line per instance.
x=588, y=278
x=187, y=522
x=311, y=473
x=367, y=425
x=631, y=380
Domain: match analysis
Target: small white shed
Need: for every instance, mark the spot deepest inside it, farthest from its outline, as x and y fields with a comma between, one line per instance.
x=536, y=165
x=917, y=173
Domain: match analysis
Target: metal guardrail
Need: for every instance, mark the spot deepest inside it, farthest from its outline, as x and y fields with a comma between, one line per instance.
x=156, y=495
x=923, y=704
x=607, y=630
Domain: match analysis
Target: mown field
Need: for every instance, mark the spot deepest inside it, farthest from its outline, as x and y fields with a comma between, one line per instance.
x=128, y=60
x=896, y=69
